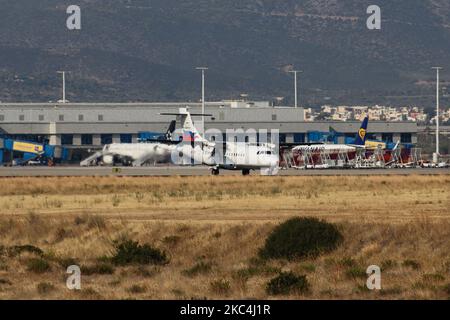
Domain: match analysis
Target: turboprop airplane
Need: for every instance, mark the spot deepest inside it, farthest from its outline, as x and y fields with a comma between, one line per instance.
x=135, y=154
x=243, y=156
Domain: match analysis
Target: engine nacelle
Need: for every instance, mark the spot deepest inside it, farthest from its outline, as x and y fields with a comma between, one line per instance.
x=108, y=159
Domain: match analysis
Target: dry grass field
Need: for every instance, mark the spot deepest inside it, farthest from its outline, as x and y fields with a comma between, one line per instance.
x=211, y=229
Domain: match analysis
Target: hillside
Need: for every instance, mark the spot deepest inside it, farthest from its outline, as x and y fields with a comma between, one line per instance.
x=134, y=50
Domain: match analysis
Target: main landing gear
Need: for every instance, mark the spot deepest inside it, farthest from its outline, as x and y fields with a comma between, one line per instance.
x=215, y=171
x=245, y=172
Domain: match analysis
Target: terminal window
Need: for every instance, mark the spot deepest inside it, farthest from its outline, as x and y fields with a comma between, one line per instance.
x=406, y=138
x=2, y=117
x=21, y=117
x=387, y=137
x=61, y=117
x=86, y=139
x=80, y=117
x=126, y=138
x=274, y=117
x=299, y=137
x=66, y=139
x=41, y=117
x=106, y=138
x=100, y=117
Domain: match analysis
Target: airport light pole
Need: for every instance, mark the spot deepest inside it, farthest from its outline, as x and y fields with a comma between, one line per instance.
x=203, y=69
x=435, y=159
x=64, y=85
x=295, y=72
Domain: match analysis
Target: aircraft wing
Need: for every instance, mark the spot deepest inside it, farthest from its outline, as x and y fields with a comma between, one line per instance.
x=357, y=146
x=164, y=141
x=287, y=145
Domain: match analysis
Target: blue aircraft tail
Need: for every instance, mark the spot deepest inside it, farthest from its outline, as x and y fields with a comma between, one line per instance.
x=361, y=138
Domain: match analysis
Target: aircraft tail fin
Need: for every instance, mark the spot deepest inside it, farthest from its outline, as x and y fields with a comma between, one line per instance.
x=361, y=138
x=171, y=129
x=190, y=132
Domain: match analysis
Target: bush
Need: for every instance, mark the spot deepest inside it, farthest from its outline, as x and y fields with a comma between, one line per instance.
x=447, y=289
x=286, y=283
x=17, y=250
x=100, y=268
x=66, y=262
x=412, y=264
x=131, y=252
x=45, y=287
x=96, y=221
x=136, y=289
x=198, y=268
x=301, y=237
x=38, y=265
x=356, y=272
x=221, y=287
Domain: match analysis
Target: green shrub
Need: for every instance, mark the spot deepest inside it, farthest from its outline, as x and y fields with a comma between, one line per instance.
x=388, y=264
x=433, y=277
x=171, y=240
x=131, y=252
x=45, y=287
x=348, y=262
x=447, y=289
x=221, y=286
x=136, y=289
x=286, y=283
x=146, y=272
x=17, y=250
x=99, y=268
x=96, y=221
x=308, y=267
x=198, y=268
x=412, y=264
x=38, y=265
x=66, y=262
x=252, y=271
x=356, y=272
x=301, y=237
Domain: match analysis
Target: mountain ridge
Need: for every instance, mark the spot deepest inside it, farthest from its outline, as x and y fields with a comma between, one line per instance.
x=147, y=50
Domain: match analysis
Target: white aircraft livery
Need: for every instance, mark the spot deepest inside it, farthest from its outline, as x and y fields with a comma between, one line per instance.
x=244, y=156
x=135, y=154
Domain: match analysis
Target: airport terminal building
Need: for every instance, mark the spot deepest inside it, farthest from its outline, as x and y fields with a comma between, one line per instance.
x=91, y=125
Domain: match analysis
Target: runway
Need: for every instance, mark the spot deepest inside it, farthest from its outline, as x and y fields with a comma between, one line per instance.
x=198, y=171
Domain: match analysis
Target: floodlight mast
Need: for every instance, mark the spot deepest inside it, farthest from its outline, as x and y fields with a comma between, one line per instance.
x=295, y=72
x=203, y=69
x=63, y=85
x=437, y=111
